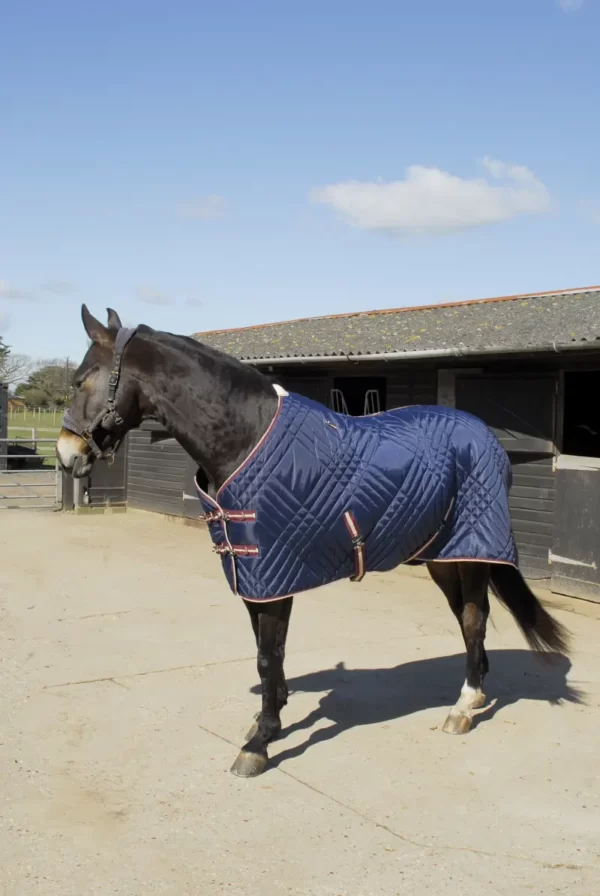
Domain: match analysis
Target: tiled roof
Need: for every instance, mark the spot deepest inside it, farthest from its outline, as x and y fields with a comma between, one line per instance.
x=508, y=323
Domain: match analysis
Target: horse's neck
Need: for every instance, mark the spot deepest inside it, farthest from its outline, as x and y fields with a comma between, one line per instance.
x=214, y=406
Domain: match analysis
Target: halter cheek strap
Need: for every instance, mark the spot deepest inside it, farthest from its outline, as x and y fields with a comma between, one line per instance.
x=108, y=416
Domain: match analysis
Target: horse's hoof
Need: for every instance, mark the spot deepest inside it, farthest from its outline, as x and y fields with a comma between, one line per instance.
x=253, y=731
x=249, y=765
x=458, y=723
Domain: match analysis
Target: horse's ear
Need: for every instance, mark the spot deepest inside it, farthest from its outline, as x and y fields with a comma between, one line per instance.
x=97, y=332
x=114, y=321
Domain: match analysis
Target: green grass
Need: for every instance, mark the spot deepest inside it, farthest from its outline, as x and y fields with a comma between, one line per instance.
x=38, y=419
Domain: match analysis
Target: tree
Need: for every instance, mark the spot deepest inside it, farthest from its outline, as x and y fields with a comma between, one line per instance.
x=13, y=368
x=48, y=386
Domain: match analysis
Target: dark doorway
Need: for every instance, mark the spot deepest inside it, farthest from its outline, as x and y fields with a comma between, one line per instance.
x=581, y=430
x=356, y=390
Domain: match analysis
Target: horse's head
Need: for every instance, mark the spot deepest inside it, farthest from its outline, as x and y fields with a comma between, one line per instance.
x=105, y=403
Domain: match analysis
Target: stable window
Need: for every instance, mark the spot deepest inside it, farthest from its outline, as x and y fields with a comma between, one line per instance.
x=361, y=394
x=581, y=415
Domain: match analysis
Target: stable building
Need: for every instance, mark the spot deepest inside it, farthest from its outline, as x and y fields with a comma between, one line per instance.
x=529, y=366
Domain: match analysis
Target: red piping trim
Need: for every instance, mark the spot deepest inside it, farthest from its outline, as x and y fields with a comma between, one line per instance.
x=269, y=600
x=216, y=504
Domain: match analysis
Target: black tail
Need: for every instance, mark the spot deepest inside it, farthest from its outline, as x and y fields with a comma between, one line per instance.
x=543, y=633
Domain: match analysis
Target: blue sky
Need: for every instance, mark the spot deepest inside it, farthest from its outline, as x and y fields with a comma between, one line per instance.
x=199, y=165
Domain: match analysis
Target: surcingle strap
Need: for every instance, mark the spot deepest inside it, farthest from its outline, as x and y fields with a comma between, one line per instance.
x=358, y=546
x=229, y=516
x=238, y=550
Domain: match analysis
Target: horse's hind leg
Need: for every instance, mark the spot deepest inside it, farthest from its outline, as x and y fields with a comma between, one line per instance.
x=466, y=588
x=270, y=623
x=447, y=578
x=474, y=580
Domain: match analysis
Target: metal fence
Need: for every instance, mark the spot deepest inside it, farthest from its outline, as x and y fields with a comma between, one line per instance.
x=30, y=475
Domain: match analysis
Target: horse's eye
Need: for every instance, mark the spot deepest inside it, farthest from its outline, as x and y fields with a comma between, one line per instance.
x=80, y=380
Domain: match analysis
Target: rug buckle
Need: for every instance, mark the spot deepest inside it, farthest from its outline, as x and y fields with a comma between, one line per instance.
x=228, y=516
x=358, y=547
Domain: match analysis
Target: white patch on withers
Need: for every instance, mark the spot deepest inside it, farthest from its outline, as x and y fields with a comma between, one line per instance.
x=69, y=447
x=280, y=391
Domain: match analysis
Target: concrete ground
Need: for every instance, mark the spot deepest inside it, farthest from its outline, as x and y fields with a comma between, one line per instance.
x=129, y=681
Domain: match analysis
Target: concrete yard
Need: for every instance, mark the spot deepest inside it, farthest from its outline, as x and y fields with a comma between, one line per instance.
x=129, y=681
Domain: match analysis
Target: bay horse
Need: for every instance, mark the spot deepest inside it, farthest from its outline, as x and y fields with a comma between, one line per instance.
x=222, y=412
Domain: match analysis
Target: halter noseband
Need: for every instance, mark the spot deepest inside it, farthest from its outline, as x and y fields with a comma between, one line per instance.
x=108, y=417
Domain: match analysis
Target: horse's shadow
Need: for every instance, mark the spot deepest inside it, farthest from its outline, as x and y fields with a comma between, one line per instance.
x=374, y=696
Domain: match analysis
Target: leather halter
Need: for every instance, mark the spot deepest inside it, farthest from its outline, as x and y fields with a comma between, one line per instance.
x=108, y=417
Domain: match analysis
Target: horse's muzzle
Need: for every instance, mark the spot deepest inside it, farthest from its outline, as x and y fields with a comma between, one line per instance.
x=73, y=454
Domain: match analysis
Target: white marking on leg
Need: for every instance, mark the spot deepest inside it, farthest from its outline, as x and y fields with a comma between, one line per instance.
x=470, y=703
x=470, y=699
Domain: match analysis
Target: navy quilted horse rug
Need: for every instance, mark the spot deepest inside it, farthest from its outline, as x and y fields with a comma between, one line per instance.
x=324, y=497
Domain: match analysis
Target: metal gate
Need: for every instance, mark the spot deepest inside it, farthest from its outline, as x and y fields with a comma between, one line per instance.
x=30, y=476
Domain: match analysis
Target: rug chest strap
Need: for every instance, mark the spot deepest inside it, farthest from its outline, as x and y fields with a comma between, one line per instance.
x=236, y=550
x=229, y=516
x=358, y=547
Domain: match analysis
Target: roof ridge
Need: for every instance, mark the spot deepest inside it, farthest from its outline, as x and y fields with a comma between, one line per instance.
x=383, y=311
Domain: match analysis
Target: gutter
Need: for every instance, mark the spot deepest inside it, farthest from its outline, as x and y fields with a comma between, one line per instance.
x=552, y=347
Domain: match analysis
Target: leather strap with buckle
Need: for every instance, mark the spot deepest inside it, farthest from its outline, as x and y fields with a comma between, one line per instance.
x=358, y=545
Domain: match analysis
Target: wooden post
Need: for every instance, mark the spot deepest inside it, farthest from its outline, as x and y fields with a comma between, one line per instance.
x=34, y=439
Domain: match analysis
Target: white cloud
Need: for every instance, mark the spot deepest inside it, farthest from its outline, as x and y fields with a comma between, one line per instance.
x=10, y=291
x=570, y=5
x=430, y=200
x=148, y=295
x=204, y=208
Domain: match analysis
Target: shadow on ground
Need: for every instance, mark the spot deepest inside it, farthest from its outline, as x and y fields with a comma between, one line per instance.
x=374, y=696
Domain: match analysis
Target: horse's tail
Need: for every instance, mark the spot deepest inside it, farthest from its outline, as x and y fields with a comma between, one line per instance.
x=543, y=633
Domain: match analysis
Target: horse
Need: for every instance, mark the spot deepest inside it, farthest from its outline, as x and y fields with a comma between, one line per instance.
x=263, y=452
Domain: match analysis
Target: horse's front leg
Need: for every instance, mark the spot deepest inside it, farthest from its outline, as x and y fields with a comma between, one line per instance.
x=281, y=636
x=270, y=623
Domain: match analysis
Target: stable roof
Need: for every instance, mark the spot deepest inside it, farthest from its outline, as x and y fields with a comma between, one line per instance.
x=532, y=322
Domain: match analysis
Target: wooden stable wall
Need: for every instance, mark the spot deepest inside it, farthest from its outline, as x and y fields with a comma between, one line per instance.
x=107, y=486
x=404, y=385
x=411, y=387
x=156, y=471
x=520, y=409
